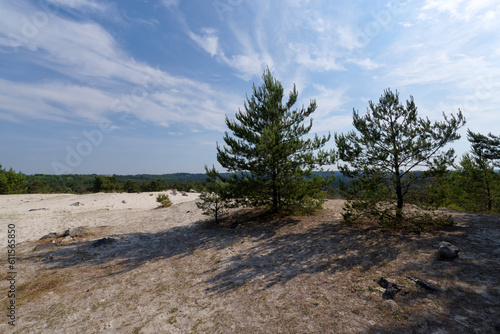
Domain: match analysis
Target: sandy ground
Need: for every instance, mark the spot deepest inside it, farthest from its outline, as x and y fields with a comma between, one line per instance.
x=55, y=213
x=170, y=271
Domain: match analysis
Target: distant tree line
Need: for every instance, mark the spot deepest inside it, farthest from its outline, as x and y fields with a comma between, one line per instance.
x=12, y=182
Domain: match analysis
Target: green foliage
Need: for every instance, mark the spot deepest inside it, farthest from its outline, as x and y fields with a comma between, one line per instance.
x=216, y=199
x=131, y=187
x=476, y=185
x=12, y=182
x=107, y=184
x=382, y=157
x=157, y=185
x=164, y=200
x=271, y=163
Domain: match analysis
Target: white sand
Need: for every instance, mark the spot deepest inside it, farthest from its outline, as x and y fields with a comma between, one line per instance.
x=101, y=209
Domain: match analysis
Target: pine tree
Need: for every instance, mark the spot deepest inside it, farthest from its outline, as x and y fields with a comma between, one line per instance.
x=391, y=143
x=271, y=163
x=216, y=199
x=12, y=182
x=477, y=168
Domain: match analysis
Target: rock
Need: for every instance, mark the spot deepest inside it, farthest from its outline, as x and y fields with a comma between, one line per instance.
x=124, y=202
x=37, y=209
x=192, y=191
x=76, y=204
x=76, y=231
x=447, y=251
x=66, y=240
x=183, y=193
x=392, y=305
x=421, y=284
x=44, y=246
x=391, y=289
x=102, y=242
x=174, y=192
x=49, y=236
x=383, y=282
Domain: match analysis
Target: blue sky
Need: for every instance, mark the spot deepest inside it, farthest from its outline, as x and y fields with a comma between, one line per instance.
x=143, y=86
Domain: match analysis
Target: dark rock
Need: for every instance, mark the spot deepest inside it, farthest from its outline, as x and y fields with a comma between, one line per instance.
x=391, y=289
x=44, y=246
x=383, y=282
x=37, y=209
x=447, y=251
x=76, y=231
x=102, y=242
x=192, y=191
x=75, y=204
x=183, y=193
x=421, y=284
x=49, y=236
x=124, y=202
x=234, y=225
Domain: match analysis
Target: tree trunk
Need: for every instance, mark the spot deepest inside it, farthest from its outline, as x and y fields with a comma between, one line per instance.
x=400, y=200
x=275, y=207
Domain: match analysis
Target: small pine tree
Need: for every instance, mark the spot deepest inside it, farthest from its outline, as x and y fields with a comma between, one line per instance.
x=215, y=200
x=164, y=200
x=476, y=185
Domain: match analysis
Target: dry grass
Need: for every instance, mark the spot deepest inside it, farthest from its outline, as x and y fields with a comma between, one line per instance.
x=268, y=275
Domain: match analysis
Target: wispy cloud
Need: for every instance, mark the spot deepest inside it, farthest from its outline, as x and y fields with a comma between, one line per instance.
x=91, y=5
x=170, y=3
x=208, y=41
x=110, y=81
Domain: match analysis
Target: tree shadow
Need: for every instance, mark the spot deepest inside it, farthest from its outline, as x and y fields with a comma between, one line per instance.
x=328, y=247
x=271, y=249
x=468, y=300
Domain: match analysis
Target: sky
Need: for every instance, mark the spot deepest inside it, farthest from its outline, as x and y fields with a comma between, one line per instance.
x=143, y=86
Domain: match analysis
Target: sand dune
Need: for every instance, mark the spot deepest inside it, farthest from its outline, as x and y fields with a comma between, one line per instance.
x=35, y=215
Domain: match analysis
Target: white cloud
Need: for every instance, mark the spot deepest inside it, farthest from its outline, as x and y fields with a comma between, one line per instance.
x=330, y=114
x=208, y=42
x=110, y=81
x=82, y=4
x=463, y=10
x=365, y=63
x=171, y=3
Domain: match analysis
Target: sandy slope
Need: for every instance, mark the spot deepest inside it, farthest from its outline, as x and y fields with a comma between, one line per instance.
x=58, y=214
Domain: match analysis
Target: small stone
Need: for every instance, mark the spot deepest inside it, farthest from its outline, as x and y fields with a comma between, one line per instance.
x=392, y=305
x=391, y=289
x=49, y=236
x=124, y=202
x=66, y=240
x=423, y=284
x=447, y=251
x=75, y=204
x=76, y=231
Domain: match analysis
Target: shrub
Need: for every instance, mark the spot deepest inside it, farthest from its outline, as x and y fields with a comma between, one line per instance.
x=164, y=200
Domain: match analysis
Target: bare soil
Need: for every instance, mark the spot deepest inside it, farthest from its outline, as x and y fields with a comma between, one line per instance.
x=172, y=271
